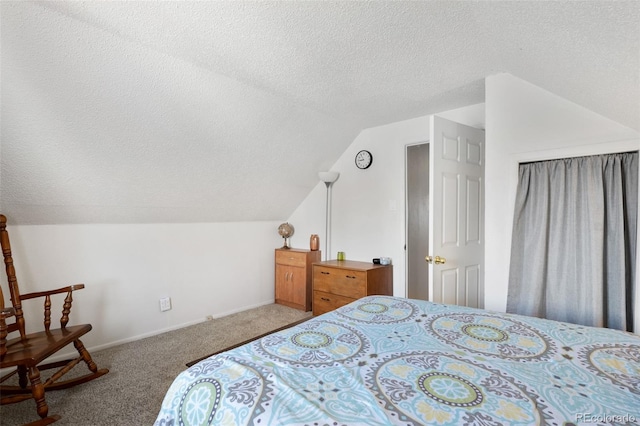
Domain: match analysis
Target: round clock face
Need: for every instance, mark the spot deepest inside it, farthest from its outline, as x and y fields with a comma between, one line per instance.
x=364, y=159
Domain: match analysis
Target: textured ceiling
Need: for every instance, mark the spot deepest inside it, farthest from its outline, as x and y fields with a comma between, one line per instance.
x=210, y=111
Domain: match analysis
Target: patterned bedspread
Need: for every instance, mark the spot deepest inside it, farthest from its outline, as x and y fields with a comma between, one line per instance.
x=384, y=360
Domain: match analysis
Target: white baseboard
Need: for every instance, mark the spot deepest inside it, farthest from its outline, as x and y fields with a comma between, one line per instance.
x=94, y=349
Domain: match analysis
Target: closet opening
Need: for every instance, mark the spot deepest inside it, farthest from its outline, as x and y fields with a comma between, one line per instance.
x=573, y=252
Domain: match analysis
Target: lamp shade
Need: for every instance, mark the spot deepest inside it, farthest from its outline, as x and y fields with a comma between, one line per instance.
x=328, y=177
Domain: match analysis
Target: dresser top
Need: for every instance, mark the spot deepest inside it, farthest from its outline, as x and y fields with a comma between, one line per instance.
x=350, y=264
x=294, y=250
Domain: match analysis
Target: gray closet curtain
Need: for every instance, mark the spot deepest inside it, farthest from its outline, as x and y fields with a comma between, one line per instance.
x=573, y=253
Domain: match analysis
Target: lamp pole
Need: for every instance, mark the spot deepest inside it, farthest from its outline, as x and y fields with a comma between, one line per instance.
x=326, y=224
x=328, y=178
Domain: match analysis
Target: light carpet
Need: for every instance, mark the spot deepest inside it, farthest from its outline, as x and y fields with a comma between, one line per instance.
x=142, y=371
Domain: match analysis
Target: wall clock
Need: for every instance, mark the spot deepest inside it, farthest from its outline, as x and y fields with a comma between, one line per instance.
x=364, y=159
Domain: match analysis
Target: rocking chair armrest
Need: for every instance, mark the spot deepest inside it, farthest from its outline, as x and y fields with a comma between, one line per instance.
x=6, y=313
x=50, y=292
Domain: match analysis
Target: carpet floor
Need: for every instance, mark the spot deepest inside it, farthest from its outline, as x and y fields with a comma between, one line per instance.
x=142, y=371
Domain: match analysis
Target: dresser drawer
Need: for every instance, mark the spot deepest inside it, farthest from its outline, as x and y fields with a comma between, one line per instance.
x=343, y=282
x=339, y=282
x=291, y=258
x=325, y=302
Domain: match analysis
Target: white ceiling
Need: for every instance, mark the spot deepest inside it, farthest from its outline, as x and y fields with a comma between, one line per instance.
x=211, y=111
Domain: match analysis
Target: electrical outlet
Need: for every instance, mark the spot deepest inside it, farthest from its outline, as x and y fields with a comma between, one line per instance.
x=165, y=304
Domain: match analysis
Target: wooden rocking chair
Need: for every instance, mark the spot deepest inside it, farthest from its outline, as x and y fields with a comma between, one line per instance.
x=25, y=353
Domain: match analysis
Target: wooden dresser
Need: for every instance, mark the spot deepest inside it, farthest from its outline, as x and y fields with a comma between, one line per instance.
x=338, y=282
x=293, y=277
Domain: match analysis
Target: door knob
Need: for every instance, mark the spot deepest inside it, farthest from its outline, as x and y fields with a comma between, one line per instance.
x=437, y=260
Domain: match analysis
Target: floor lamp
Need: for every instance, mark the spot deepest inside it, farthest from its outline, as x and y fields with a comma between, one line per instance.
x=328, y=178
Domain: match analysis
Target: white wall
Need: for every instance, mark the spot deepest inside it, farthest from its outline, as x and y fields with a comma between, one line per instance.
x=368, y=214
x=523, y=123
x=221, y=268
x=527, y=123
x=217, y=268
x=207, y=269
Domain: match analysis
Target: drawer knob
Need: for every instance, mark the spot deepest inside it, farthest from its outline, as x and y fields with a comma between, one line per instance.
x=323, y=272
x=325, y=299
x=351, y=276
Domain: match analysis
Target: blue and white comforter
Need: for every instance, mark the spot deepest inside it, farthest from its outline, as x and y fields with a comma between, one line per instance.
x=383, y=360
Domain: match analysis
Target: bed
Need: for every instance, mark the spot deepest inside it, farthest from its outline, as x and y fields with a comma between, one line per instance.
x=384, y=360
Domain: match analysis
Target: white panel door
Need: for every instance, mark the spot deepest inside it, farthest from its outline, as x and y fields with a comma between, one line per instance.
x=456, y=240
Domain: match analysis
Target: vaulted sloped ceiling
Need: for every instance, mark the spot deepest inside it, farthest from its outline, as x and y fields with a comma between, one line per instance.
x=213, y=111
